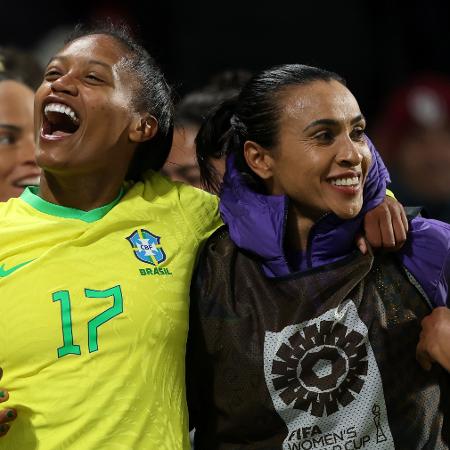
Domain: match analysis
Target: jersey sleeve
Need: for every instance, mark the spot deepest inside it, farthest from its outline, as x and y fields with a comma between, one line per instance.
x=426, y=255
x=200, y=210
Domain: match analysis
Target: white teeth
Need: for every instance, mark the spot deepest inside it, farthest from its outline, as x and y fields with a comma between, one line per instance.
x=354, y=181
x=63, y=109
x=30, y=181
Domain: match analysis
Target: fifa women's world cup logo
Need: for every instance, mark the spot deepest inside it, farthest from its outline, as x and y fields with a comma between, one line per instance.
x=324, y=382
x=322, y=369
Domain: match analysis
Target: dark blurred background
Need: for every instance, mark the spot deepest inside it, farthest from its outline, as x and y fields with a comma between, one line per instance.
x=394, y=55
x=375, y=45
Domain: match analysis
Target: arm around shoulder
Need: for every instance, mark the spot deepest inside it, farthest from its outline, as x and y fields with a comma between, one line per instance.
x=200, y=210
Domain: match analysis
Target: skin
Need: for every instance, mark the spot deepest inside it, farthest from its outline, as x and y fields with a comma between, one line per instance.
x=181, y=164
x=86, y=169
x=434, y=343
x=17, y=164
x=385, y=226
x=320, y=139
x=7, y=415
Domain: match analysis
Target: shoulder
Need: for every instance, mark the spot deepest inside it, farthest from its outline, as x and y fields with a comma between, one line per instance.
x=200, y=209
x=10, y=208
x=219, y=243
x=216, y=258
x=426, y=255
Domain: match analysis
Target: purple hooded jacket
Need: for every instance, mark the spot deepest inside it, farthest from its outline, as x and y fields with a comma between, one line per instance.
x=256, y=223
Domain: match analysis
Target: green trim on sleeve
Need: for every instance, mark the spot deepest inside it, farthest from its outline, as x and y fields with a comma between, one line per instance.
x=31, y=196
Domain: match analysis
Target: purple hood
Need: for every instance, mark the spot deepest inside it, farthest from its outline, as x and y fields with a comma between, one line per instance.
x=256, y=223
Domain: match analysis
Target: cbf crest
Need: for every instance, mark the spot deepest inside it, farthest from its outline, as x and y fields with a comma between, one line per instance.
x=147, y=247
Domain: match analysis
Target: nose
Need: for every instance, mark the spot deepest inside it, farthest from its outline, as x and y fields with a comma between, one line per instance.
x=349, y=153
x=64, y=84
x=26, y=150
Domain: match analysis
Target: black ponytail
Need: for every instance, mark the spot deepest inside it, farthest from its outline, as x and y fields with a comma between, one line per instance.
x=214, y=141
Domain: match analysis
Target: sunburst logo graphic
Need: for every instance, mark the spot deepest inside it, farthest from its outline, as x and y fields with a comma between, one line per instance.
x=322, y=369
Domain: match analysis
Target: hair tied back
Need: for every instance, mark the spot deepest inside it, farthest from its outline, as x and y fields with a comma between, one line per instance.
x=237, y=125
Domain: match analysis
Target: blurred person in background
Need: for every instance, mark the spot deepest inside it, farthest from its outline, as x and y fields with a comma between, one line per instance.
x=190, y=113
x=413, y=134
x=19, y=77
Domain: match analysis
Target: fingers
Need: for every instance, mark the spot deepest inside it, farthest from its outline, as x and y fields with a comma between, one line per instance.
x=361, y=244
x=7, y=415
x=372, y=229
x=386, y=225
x=423, y=357
x=433, y=346
x=4, y=395
x=4, y=429
x=399, y=224
x=387, y=230
x=403, y=217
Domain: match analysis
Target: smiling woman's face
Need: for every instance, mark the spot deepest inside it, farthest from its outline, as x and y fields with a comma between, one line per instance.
x=83, y=109
x=17, y=166
x=321, y=159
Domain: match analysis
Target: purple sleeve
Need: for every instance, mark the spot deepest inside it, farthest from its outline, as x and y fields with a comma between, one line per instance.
x=377, y=179
x=426, y=255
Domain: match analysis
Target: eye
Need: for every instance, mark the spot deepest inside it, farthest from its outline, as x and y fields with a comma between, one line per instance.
x=52, y=74
x=93, y=78
x=357, y=133
x=324, y=136
x=7, y=139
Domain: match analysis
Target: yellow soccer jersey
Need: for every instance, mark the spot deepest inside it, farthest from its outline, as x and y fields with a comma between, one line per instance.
x=94, y=317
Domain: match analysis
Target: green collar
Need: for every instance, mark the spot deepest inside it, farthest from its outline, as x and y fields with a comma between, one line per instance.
x=31, y=196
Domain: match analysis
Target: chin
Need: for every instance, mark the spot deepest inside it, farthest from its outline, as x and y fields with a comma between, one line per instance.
x=51, y=160
x=348, y=213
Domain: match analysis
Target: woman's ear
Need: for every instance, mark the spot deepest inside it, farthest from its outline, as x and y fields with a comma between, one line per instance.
x=143, y=128
x=258, y=159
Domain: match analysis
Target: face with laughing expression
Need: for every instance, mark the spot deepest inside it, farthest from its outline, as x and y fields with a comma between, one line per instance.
x=321, y=159
x=84, y=119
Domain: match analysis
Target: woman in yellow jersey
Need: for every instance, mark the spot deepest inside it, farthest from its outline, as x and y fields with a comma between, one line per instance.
x=95, y=272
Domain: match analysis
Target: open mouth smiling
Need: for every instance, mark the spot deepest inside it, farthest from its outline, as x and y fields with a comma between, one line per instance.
x=349, y=183
x=59, y=121
x=28, y=180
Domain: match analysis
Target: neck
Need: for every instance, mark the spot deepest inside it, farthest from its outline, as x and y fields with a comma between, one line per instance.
x=80, y=192
x=298, y=228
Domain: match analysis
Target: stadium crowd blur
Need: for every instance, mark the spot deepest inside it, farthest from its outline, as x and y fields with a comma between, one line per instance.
x=413, y=135
x=209, y=55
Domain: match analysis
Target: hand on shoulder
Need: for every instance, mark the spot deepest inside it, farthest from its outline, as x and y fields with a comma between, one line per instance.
x=434, y=343
x=385, y=226
x=7, y=415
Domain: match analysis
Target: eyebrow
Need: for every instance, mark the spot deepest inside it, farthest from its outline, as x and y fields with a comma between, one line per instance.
x=9, y=127
x=332, y=122
x=91, y=61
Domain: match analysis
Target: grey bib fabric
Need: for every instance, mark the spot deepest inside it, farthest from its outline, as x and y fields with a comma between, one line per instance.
x=319, y=360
